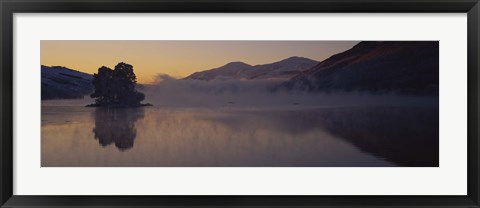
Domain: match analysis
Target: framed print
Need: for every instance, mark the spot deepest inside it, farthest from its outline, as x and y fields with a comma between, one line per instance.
x=247, y=104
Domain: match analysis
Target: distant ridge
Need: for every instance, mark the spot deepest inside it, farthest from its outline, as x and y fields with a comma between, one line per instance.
x=283, y=70
x=230, y=70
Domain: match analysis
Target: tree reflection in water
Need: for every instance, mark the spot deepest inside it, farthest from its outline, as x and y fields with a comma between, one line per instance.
x=116, y=125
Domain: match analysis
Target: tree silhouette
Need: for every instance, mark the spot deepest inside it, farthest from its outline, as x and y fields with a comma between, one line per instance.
x=116, y=88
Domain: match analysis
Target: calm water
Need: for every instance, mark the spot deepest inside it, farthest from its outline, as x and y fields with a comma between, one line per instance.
x=244, y=137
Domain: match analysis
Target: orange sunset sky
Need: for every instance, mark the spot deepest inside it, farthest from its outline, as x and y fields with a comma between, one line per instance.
x=178, y=58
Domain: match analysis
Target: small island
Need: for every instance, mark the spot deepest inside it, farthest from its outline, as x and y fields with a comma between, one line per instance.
x=116, y=88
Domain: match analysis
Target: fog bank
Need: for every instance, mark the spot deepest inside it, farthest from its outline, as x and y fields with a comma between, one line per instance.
x=170, y=92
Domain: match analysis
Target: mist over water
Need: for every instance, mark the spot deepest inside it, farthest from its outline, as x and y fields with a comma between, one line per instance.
x=171, y=92
x=231, y=123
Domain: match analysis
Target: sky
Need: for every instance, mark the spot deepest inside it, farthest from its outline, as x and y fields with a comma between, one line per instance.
x=178, y=58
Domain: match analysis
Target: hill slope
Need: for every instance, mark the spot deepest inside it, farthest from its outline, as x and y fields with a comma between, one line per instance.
x=406, y=67
x=64, y=83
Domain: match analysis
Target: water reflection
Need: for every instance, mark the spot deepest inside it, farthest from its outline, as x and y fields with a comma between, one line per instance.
x=240, y=137
x=406, y=136
x=116, y=125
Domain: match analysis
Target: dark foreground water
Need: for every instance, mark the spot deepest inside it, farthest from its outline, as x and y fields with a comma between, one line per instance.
x=243, y=137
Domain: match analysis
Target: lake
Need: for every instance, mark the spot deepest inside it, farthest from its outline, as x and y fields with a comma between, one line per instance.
x=293, y=136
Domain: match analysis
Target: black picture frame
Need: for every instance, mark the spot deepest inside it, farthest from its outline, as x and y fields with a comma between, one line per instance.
x=10, y=7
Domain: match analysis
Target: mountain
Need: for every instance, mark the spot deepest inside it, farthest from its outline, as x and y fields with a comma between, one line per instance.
x=63, y=83
x=284, y=69
x=228, y=71
x=406, y=67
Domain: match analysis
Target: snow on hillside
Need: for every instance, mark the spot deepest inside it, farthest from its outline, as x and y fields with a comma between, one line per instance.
x=63, y=83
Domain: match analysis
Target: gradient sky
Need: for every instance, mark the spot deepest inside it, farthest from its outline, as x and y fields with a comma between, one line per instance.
x=178, y=58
